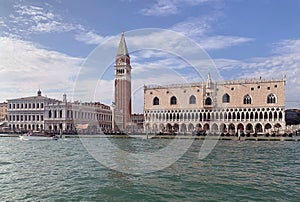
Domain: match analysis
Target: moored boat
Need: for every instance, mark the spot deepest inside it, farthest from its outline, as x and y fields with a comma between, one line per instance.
x=37, y=136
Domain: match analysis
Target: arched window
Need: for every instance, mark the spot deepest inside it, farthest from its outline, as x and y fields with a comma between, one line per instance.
x=155, y=101
x=208, y=101
x=192, y=99
x=247, y=99
x=173, y=100
x=271, y=98
x=226, y=98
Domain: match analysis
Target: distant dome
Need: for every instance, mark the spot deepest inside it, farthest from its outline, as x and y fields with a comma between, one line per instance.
x=39, y=93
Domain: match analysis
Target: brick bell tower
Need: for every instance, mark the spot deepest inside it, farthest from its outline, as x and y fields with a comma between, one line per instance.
x=122, y=80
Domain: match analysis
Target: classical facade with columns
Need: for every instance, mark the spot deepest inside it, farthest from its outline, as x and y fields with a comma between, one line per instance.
x=77, y=116
x=27, y=113
x=249, y=106
x=40, y=113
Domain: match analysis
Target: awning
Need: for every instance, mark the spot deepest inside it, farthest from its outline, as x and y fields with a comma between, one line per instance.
x=82, y=126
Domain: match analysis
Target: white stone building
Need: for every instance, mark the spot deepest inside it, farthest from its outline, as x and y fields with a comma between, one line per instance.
x=40, y=113
x=69, y=117
x=27, y=113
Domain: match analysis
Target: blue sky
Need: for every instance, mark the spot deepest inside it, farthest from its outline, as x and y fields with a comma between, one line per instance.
x=45, y=44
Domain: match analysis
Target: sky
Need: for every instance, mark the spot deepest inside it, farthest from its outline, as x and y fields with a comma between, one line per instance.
x=67, y=46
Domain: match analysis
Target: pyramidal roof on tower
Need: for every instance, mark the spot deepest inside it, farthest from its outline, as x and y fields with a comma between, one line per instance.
x=122, y=50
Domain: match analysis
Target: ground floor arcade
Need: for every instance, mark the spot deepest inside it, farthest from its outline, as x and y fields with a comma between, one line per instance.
x=215, y=127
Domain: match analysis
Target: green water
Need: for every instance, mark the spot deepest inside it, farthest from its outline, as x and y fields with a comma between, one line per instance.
x=235, y=171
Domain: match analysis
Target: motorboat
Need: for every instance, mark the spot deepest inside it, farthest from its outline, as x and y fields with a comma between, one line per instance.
x=37, y=136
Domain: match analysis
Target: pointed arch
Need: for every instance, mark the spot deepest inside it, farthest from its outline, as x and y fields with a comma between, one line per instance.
x=271, y=98
x=261, y=115
x=280, y=116
x=247, y=99
x=258, y=128
x=266, y=116
x=156, y=101
x=231, y=128
x=199, y=126
x=225, y=98
x=268, y=127
x=249, y=128
x=208, y=101
x=256, y=116
x=192, y=99
x=240, y=127
x=208, y=117
x=251, y=116
x=223, y=127
x=161, y=127
x=173, y=100
x=176, y=127
x=247, y=116
x=183, y=128
x=238, y=116
x=168, y=127
x=214, y=127
x=270, y=116
x=243, y=115
x=206, y=126
x=275, y=116
x=191, y=127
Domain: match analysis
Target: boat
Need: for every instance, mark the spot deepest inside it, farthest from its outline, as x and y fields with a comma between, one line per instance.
x=37, y=136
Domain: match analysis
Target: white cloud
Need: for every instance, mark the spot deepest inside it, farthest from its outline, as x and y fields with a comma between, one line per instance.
x=286, y=61
x=89, y=37
x=26, y=20
x=25, y=67
x=199, y=30
x=195, y=26
x=33, y=19
x=160, y=8
x=168, y=7
x=287, y=46
x=221, y=42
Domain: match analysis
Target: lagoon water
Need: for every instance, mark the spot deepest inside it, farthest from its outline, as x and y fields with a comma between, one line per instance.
x=63, y=170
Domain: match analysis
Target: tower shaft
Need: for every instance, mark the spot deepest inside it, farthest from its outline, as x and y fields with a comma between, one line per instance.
x=122, y=86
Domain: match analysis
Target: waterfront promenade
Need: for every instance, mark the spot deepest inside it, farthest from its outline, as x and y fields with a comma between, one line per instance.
x=152, y=136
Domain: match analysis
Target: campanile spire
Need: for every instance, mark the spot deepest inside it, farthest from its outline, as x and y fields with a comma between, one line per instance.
x=122, y=50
